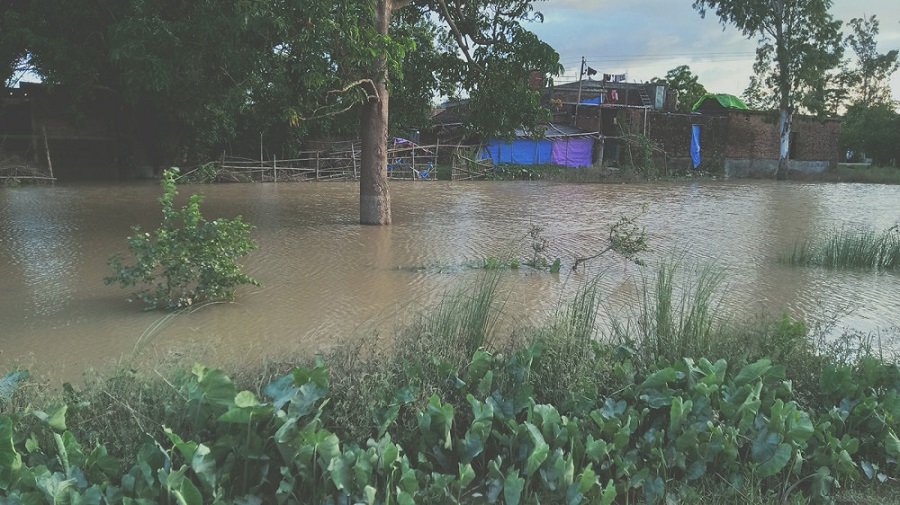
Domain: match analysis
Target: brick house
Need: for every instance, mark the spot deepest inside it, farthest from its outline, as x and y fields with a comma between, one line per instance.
x=737, y=142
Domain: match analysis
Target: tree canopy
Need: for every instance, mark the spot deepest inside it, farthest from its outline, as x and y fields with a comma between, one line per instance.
x=200, y=76
x=686, y=84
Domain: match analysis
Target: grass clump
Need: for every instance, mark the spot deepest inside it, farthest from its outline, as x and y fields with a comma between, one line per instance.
x=850, y=248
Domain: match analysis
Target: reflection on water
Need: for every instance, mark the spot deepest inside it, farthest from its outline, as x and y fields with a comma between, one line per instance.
x=325, y=277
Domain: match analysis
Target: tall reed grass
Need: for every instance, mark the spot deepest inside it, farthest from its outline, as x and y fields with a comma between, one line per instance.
x=850, y=248
x=679, y=313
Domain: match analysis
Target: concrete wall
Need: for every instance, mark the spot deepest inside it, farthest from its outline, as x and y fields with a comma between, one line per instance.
x=764, y=168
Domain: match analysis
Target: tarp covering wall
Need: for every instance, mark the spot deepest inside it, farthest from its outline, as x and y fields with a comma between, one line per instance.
x=519, y=151
x=572, y=151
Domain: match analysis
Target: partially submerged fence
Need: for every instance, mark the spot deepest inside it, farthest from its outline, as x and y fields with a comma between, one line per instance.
x=335, y=161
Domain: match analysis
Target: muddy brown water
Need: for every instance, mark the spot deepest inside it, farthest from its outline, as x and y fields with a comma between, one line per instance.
x=327, y=279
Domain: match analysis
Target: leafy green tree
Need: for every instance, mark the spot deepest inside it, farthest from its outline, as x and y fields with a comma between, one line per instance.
x=799, y=43
x=873, y=130
x=686, y=83
x=868, y=81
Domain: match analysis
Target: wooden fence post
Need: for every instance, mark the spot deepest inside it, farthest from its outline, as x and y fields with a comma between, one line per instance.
x=275, y=167
x=317, y=165
x=353, y=157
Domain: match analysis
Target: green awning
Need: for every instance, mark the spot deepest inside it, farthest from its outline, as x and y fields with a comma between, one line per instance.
x=724, y=99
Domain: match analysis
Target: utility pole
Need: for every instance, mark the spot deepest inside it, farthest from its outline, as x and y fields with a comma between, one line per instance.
x=578, y=102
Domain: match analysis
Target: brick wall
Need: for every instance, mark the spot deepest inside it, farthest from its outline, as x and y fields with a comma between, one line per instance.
x=754, y=135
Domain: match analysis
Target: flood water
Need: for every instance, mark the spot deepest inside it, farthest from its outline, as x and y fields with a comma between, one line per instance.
x=325, y=278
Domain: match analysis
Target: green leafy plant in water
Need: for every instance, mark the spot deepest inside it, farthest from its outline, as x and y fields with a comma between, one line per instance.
x=187, y=259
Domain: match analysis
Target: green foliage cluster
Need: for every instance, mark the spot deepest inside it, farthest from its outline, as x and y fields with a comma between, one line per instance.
x=187, y=259
x=850, y=248
x=481, y=437
x=681, y=80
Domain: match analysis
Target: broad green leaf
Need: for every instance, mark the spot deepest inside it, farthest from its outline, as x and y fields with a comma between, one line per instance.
x=513, y=486
x=56, y=419
x=892, y=444
x=540, y=451
x=659, y=378
x=609, y=493
x=587, y=480
x=466, y=474
x=752, y=372
x=774, y=464
x=10, y=460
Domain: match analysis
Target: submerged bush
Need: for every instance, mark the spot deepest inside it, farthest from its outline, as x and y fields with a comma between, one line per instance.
x=187, y=259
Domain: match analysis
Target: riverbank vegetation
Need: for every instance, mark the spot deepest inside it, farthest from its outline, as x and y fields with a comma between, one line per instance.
x=672, y=401
x=850, y=248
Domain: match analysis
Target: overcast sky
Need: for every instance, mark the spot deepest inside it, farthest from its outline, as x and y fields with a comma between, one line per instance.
x=647, y=38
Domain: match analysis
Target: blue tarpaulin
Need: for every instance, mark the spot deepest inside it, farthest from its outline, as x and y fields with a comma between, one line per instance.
x=695, y=144
x=519, y=151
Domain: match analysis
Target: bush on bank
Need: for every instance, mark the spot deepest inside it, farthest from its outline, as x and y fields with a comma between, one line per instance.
x=451, y=415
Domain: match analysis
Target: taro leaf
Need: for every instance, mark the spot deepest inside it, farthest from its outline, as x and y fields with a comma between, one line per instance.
x=203, y=463
x=485, y=384
x=246, y=407
x=185, y=448
x=892, y=444
x=609, y=493
x=74, y=454
x=55, y=419
x=764, y=446
x=495, y=480
x=778, y=460
x=836, y=379
x=612, y=408
x=408, y=482
x=385, y=418
x=10, y=460
x=9, y=383
x=304, y=401
x=102, y=461
x=540, y=451
x=481, y=363
x=339, y=469
x=281, y=390
x=573, y=496
x=466, y=475
x=369, y=494
x=470, y=447
x=55, y=486
x=513, y=487
x=654, y=489
x=184, y=491
x=660, y=378
x=696, y=470
x=868, y=469
x=587, y=480
x=752, y=372
x=404, y=395
x=213, y=386
x=404, y=498
x=595, y=450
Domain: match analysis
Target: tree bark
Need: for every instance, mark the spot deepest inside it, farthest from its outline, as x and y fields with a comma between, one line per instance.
x=374, y=197
x=784, y=146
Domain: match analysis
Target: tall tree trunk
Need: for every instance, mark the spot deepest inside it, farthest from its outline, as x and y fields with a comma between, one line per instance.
x=784, y=147
x=374, y=197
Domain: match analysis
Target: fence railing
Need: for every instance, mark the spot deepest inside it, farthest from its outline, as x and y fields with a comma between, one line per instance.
x=337, y=161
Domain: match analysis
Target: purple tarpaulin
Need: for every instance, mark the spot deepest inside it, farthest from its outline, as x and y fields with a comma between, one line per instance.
x=572, y=151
